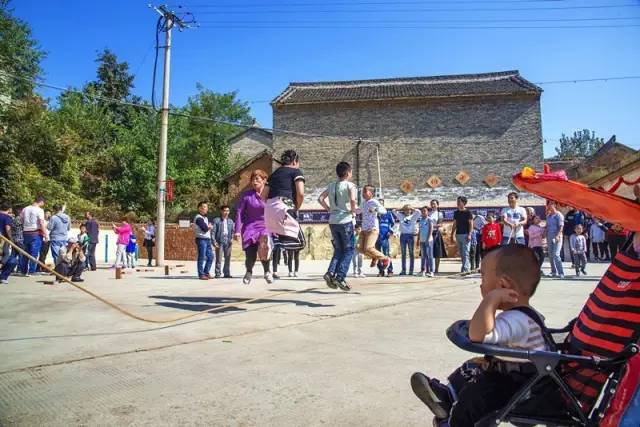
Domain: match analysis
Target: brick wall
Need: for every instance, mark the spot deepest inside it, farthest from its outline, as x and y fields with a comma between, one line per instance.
x=418, y=139
x=241, y=180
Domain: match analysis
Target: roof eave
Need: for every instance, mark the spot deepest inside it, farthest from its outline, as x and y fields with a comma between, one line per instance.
x=342, y=101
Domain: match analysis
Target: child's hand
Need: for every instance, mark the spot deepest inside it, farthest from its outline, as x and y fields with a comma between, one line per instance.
x=501, y=296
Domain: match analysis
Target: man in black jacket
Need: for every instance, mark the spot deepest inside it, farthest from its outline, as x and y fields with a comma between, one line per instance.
x=93, y=229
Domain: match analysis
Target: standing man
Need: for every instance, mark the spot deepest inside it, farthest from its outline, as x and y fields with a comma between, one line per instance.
x=342, y=209
x=555, y=225
x=34, y=232
x=222, y=233
x=202, y=230
x=387, y=222
x=514, y=218
x=44, y=249
x=9, y=255
x=93, y=229
x=461, y=231
x=59, y=226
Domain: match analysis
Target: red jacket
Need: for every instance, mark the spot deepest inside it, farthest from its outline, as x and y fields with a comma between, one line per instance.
x=491, y=235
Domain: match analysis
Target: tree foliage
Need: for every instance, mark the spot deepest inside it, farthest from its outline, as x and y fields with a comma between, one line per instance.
x=93, y=152
x=582, y=143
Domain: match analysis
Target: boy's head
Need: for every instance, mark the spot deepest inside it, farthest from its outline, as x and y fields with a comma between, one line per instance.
x=490, y=218
x=83, y=229
x=578, y=229
x=512, y=199
x=424, y=211
x=551, y=207
x=57, y=208
x=224, y=211
x=536, y=220
x=357, y=228
x=368, y=191
x=343, y=170
x=511, y=267
x=5, y=207
x=434, y=204
x=461, y=202
x=203, y=208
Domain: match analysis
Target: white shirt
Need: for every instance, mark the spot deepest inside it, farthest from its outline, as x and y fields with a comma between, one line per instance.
x=513, y=215
x=515, y=329
x=408, y=222
x=150, y=232
x=597, y=234
x=224, y=227
x=436, y=218
x=370, y=210
x=30, y=216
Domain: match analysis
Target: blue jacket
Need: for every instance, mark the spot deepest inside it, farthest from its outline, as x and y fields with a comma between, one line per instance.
x=216, y=231
x=59, y=226
x=387, y=221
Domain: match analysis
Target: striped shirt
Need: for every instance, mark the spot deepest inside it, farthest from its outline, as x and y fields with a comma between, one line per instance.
x=609, y=321
x=515, y=329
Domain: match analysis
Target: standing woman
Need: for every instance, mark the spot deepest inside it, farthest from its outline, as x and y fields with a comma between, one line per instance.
x=149, y=239
x=44, y=250
x=285, y=196
x=439, y=250
x=250, y=225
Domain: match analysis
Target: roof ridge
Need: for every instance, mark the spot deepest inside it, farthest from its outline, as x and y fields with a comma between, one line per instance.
x=416, y=79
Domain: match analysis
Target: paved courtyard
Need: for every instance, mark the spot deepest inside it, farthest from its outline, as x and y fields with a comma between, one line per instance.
x=314, y=356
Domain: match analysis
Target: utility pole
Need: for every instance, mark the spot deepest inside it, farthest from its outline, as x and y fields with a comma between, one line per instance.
x=170, y=20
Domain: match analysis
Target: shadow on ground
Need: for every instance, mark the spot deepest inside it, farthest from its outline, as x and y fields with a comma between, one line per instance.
x=207, y=303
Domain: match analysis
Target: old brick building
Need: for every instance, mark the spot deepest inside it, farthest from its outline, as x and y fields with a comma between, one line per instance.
x=479, y=124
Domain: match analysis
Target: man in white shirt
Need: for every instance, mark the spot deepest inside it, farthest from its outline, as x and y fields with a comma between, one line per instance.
x=34, y=233
x=514, y=218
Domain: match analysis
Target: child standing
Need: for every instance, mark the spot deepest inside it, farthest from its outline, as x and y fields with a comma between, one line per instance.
x=132, y=247
x=491, y=233
x=407, y=217
x=357, y=259
x=579, y=250
x=536, y=234
x=425, y=237
x=597, y=232
x=83, y=241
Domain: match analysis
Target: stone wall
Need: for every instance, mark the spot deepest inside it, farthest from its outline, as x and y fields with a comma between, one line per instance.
x=241, y=180
x=417, y=139
x=251, y=144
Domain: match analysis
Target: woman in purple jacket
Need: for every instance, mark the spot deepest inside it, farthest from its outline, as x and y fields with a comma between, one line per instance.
x=250, y=224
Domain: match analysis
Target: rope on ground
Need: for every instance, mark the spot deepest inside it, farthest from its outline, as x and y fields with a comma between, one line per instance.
x=177, y=318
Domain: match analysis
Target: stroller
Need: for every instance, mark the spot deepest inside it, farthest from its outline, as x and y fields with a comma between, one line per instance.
x=595, y=372
x=593, y=379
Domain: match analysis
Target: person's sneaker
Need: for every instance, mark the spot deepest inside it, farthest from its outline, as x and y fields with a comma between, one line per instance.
x=290, y=274
x=430, y=275
x=402, y=273
x=433, y=394
x=204, y=277
x=373, y=263
x=247, y=278
x=77, y=279
x=275, y=276
x=217, y=276
x=342, y=285
x=295, y=274
x=228, y=276
x=584, y=272
x=355, y=274
x=560, y=276
x=362, y=275
x=329, y=280
x=385, y=262
x=389, y=273
x=268, y=277
x=381, y=274
x=4, y=282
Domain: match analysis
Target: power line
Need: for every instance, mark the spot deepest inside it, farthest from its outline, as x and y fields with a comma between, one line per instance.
x=420, y=21
x=363, y=3
x=289, y=11
x=413, y=27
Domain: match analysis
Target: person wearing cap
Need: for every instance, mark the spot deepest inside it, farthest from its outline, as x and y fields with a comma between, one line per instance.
x=70, y=261
x=407, y=218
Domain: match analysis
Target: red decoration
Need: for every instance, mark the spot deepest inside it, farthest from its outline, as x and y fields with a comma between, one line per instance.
x=169, y=190
x=619, y=182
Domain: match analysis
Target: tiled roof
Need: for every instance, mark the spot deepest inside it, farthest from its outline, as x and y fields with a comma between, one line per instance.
x=488, y=84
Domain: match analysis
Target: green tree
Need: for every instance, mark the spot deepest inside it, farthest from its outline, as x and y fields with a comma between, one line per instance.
x=582, y=143
x=20, y=57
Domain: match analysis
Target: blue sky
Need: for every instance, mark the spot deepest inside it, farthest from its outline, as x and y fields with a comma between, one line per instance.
x=227, y=52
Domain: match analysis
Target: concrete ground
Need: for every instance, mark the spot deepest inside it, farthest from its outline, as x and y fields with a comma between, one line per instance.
x=314, y=356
